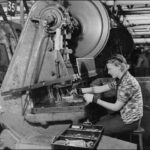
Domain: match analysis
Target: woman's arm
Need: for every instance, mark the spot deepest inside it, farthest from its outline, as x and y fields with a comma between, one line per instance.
x=96, y=89
x=111, y=106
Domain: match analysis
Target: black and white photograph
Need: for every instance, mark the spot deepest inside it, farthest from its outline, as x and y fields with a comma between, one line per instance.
x=75, y=74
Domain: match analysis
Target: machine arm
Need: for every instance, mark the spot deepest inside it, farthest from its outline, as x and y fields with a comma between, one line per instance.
x=35, y=86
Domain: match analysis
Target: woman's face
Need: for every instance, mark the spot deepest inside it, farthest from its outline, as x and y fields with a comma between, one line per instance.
x=113, y=70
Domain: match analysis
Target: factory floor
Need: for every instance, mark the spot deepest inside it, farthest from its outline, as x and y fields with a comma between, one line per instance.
x=145, y=124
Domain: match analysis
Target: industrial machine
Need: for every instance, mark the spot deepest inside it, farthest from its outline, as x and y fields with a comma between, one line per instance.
x=36, y=90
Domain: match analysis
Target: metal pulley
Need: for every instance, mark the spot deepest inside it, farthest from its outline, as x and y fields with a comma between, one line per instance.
x=53, y=17
x=94, y=27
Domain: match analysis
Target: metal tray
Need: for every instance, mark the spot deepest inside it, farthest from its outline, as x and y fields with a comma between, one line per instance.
x=82, y=136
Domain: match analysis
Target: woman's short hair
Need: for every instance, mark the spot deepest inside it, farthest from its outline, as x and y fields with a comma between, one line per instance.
x=119, y=60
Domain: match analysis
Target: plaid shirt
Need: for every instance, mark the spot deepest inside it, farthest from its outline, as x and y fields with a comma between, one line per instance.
x=129, y=92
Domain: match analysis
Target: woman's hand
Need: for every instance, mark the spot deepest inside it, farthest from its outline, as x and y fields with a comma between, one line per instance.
x=88, y=98
x=86, y=90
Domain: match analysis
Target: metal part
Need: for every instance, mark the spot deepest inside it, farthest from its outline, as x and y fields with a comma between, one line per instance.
x=8, y=42
x=126, y=2
x=94, y=27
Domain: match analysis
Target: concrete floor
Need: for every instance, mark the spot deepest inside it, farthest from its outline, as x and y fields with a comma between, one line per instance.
x=145, y=124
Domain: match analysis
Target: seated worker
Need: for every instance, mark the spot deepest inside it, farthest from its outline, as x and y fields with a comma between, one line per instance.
x=129, y=102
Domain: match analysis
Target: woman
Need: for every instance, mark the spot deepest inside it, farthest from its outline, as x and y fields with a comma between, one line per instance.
x=129, y=102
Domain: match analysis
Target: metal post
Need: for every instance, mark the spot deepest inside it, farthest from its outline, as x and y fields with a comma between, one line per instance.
x=21, y=13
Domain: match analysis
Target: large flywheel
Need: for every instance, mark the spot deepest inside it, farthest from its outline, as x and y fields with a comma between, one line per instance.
x=94, y=22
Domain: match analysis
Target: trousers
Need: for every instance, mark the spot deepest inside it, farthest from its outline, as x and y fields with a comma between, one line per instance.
x=114, y=125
